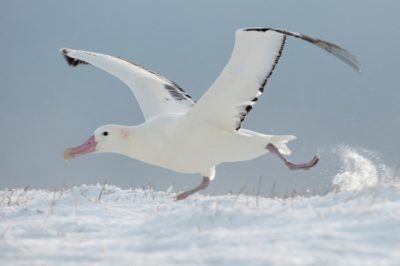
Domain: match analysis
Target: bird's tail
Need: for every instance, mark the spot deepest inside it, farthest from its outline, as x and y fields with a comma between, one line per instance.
x=280, y=142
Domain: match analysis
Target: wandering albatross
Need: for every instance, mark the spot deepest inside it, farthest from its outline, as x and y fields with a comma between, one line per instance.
x=194, y=137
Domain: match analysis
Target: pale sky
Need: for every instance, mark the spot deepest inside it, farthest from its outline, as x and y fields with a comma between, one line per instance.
x=47, y=106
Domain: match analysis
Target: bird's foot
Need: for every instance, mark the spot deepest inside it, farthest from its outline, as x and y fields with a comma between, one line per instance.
x=303, y=166
x=292, y=166
x=186, y=194
x=183, y=195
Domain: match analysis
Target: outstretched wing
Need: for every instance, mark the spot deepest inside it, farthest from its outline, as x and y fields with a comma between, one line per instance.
x=255, y=55
x=155, y=94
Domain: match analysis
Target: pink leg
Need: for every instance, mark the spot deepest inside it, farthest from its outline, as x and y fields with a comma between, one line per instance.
x=305, y=166
x=186, y=194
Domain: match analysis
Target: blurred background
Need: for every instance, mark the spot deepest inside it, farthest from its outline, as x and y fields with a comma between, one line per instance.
x=47, y=106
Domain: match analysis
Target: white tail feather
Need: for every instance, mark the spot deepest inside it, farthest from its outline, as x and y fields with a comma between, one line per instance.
x=280, y=142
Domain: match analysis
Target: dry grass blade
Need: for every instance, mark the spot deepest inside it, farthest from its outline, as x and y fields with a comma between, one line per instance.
x=258, y=190
x=102, y=190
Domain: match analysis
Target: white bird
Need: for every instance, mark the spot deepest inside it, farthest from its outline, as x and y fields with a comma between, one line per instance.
x=193, y=137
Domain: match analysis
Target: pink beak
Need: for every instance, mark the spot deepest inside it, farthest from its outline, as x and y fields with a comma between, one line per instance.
x=87, y=147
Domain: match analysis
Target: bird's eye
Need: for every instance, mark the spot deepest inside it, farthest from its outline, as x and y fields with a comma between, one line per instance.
x=105, y=133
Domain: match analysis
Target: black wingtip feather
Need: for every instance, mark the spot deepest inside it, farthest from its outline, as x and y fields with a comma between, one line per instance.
x=257, y=29
x=334, y=49
x=70, y=60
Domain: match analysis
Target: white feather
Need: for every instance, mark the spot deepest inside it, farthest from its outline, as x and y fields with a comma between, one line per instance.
x=156, y=94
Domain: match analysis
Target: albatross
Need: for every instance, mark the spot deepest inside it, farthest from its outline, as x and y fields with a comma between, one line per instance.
x=194, y=137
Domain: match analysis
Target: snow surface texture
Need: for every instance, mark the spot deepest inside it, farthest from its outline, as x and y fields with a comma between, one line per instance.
x=357, y=224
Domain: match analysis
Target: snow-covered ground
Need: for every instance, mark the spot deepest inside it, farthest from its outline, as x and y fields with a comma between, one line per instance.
x=358, y=223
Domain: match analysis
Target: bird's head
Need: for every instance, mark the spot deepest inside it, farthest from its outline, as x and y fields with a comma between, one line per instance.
x=108, y=138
